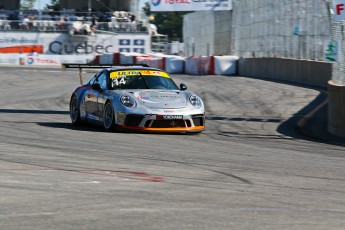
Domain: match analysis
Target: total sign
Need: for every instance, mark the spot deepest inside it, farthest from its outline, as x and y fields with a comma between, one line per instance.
x=339, y=10
x=190, y=5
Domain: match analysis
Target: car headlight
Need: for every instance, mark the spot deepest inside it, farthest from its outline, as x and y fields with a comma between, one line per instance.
x=127, y=101
x=195, y=101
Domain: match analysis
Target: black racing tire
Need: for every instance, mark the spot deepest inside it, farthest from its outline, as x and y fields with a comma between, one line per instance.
x=74, y=110
x=108, y=117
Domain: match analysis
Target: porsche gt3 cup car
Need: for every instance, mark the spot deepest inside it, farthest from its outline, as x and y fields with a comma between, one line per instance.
x=137, y=98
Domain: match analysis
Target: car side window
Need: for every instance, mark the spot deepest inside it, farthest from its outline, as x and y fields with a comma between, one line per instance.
x=92, y=80
x=102, y=80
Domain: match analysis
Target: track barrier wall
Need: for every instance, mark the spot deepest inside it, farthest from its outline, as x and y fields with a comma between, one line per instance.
x=198, y=65
x=225, y=65
x=304, y=72
x=195, y=65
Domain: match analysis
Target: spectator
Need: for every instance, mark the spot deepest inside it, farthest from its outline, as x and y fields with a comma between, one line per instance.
x=25, y=23
x=132, y=17
x=94, y=22
x=68, y=21
x=62, y=24
x=31, y=22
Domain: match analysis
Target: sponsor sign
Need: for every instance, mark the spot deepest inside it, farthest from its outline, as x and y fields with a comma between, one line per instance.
x=124, y=50
x=9, y=59
x=296, y=30
x=139, y=50
x=169, y=117
x=331, y=51
x=190, y=5
x=64, y=44
x=172, y=117
x=120, y=73
x=41, y=59
x=339, y=10
x=139, y=42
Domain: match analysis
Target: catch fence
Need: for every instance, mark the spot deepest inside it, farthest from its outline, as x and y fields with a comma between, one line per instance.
x=294, y=29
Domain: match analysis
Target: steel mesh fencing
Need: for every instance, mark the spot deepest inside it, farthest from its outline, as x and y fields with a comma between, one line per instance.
x=294, y=29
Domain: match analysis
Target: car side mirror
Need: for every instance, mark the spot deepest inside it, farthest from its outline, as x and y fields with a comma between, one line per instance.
x=183, y=87
x=97, y=86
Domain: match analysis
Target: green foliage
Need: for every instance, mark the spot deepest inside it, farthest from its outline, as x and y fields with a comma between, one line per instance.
x=168, y=23
x=27, y=4
x=54, y=5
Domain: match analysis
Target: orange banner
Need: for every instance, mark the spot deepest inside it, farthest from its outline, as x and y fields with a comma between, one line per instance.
x=22, y=49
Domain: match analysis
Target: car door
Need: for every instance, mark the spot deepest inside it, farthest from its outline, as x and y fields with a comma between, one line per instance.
x=90, y=100
x=101, y=97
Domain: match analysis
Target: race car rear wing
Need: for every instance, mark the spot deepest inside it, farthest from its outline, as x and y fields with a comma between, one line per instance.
x=80, y=67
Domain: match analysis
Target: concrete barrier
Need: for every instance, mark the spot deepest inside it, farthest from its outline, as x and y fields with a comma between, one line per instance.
x=127, y=58
x=198, y=65
x=312, y=73
x=336, y=109
x=175, y=64
x=106, y=59
x=155, y=62
x=224, y=65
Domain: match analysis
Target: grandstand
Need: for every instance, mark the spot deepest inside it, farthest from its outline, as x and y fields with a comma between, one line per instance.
x=99, y=15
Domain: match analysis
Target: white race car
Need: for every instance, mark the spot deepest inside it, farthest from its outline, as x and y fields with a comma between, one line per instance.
x=137, y=98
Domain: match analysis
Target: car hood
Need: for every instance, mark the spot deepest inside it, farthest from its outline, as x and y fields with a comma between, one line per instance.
x=161, y=99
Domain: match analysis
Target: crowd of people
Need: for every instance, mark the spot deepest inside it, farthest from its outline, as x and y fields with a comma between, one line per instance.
x=89, y=21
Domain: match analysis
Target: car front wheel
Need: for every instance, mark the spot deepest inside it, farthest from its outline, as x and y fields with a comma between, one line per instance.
x=74, y=111
x=108, y=117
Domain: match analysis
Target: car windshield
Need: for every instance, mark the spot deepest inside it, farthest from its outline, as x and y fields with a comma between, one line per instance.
x=141, y=79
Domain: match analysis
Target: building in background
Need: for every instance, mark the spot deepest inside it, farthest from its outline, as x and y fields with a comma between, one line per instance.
x=9, y=5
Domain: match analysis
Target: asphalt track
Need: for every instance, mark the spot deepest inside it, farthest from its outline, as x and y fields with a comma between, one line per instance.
x=249, y=170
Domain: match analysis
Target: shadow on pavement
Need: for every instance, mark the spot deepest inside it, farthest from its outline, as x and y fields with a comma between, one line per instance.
x=310, y=123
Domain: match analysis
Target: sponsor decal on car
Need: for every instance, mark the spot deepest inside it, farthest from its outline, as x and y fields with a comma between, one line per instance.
x=169, y=117
x=122, y=73
x=121, y=117
x=169, y=111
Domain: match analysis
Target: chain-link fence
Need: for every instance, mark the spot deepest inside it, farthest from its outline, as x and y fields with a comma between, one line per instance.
x=294, y=29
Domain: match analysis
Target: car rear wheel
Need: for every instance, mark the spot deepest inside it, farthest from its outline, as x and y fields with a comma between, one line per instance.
x=74, y=111
x=108, y=117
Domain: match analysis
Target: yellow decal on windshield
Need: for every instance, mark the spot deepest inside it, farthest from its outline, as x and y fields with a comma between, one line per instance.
x=123, y=73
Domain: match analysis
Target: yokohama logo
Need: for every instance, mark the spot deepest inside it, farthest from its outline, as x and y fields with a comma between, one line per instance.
x=173, y=117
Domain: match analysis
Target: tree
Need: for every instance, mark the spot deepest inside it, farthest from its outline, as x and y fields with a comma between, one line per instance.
x=168, y=23
x=54, y=5
x=27, y=4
